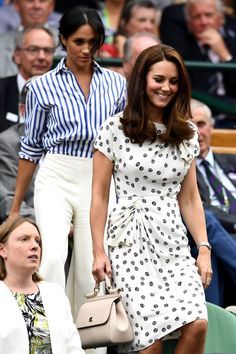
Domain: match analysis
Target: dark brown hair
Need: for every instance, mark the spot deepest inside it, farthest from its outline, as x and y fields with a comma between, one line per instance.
x=77, y=17
x=136, y=123
x=6, y=228
x=127, y=12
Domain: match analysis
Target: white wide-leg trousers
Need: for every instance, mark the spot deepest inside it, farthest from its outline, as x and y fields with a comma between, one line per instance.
x=62, y=196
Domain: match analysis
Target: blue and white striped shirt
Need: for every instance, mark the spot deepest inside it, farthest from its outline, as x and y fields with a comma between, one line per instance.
x=59, y=120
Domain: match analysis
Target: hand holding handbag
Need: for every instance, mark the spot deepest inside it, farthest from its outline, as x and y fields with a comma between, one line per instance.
x=102, y=320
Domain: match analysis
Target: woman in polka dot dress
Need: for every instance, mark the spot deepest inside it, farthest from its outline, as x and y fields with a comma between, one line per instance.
x=150, y=150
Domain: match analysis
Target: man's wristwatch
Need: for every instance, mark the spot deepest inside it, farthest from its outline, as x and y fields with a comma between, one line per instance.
x=204, y=243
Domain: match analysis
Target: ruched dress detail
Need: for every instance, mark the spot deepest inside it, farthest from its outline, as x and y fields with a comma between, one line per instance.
x=146, y=238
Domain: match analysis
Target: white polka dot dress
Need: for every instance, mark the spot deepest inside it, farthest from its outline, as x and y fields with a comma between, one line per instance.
x=148, y=246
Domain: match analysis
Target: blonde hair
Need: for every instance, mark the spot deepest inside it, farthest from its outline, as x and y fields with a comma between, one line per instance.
x=6, y=228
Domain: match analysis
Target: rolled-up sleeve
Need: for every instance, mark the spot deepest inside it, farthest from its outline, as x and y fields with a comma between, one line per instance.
x=35, y=126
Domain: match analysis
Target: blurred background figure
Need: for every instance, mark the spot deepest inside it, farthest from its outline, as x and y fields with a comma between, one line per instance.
x=137, y=16
x=35, y=12
x=110, y=12
x=201, y=31
x=220, y=218
x=133, y=46
x=9, y=157
x=216, y=172
x=33, y=55
x=10, y=18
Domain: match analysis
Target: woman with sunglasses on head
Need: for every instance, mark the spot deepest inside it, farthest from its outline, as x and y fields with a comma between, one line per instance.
x=64, y=111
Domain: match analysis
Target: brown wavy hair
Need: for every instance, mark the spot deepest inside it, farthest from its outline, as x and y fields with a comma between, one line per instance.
x=136, y=124
x=6, y=228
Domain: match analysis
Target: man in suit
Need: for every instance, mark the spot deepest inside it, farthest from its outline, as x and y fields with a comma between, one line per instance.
x=221, y=223
x=200, y=31
x=222, y=165
x=31, y=13
x=33, y=56
x=10, y=18
x=9, y=147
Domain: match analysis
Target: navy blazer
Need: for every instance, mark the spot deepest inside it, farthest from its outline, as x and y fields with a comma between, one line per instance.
x=228, y=164
x=9, y=98
x=174, y=32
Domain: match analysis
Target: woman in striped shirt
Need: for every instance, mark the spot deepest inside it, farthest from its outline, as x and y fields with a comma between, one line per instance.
x=64, y=110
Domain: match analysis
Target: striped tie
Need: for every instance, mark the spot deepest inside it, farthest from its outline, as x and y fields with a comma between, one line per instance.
x=224, y=196
x=213, y=81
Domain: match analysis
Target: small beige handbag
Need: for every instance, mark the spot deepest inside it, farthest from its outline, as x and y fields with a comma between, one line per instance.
x=102, y=320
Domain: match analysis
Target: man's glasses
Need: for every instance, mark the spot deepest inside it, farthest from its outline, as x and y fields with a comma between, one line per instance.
x=32, y=50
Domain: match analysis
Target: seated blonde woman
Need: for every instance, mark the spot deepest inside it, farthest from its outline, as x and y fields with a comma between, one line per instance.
x=35, y=315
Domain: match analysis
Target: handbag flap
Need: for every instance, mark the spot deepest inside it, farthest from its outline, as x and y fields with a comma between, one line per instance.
x=95, y=311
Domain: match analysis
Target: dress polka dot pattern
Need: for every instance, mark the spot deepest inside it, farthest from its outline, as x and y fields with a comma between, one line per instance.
x=148, y=246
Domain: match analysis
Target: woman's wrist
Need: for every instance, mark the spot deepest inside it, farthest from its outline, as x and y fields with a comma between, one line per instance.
x=98, y=251
x=204, y=244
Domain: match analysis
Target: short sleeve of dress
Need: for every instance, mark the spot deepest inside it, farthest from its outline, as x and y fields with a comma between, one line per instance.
x=106, y=136
x=189, y=149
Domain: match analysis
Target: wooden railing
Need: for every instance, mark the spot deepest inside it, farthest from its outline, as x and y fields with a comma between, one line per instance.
x=224, y=141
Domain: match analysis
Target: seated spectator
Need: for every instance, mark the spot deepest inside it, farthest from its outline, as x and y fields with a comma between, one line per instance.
x=10, y=18
x=110, y=14
x=137, y=16
x=35, y=315
x=31, y=13
x=133, y=46
x=9, y=148
x=216, y=172
x=200, y=31
x=33, y=55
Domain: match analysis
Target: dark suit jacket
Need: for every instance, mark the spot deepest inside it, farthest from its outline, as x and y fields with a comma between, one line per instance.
x=9, y=148
x=174, y=32
x=9, y=98
x=228, y=163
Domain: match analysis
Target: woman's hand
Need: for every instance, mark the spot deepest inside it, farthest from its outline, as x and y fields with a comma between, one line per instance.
x=101, y=266
x=203, y=264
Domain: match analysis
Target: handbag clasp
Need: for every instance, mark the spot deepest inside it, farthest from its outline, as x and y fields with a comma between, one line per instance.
x=96, y=289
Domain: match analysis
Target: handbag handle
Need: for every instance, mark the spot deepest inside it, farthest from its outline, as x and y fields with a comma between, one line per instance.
x=109, y=288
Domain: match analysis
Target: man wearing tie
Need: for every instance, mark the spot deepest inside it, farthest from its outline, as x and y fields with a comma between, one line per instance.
x=216, y=173
x=201, y=31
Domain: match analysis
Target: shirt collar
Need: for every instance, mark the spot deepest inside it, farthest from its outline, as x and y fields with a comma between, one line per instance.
x=62, y=66
x=209, y=158
x=20, y=82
